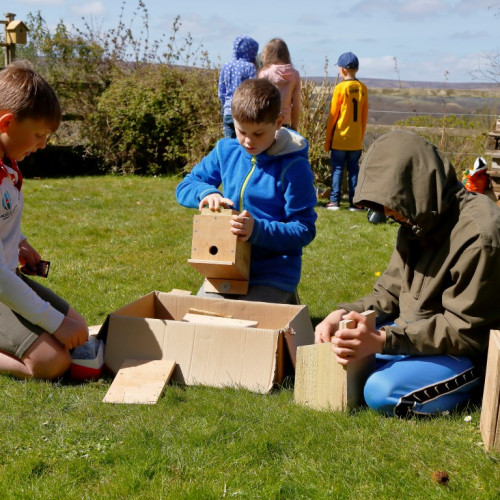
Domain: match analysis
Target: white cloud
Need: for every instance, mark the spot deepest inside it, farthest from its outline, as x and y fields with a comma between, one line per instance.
x=41, y=3
x=89, y=9
x=403, y=10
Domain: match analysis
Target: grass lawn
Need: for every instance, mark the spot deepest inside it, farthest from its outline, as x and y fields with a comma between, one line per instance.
x=111, y=240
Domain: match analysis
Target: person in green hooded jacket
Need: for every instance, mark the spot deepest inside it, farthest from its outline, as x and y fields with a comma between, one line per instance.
x=438, y=298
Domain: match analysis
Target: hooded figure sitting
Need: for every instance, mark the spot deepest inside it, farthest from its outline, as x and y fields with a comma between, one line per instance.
x=438, y=298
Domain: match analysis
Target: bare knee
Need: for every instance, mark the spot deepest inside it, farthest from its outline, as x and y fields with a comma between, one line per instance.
x=47, y=358
x=53, y=368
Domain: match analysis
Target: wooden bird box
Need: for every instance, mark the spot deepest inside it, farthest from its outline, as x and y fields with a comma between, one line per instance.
x=16, y=32
x=218, y=254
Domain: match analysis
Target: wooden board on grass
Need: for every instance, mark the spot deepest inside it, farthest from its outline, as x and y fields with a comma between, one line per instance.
x=140, y=381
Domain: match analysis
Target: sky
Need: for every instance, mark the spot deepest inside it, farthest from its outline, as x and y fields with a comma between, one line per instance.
x=416, y=40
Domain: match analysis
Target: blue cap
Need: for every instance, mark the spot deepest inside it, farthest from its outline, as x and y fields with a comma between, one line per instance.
x=348, y=60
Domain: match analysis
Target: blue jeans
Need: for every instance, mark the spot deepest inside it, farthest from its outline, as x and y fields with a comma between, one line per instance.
x=228, y=123
x=338, y=161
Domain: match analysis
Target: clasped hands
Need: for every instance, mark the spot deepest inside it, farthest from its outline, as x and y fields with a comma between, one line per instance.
x=349, y=344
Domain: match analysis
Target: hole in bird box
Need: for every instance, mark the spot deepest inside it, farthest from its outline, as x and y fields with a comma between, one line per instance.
x=213, y=250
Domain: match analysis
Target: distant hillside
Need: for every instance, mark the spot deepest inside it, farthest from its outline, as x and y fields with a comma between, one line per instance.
x=397, y=84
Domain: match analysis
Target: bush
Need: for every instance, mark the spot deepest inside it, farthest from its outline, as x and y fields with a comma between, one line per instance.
x=316, y=100
x=158, y=119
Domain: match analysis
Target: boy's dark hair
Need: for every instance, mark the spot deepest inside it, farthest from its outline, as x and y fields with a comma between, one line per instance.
x=26, y=94
x=256, y=100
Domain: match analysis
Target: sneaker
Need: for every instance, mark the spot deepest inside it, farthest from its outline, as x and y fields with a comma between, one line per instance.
x=332, y=205
x=355, y=208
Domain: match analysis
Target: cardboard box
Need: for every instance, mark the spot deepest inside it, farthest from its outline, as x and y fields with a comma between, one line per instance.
x=215, y=355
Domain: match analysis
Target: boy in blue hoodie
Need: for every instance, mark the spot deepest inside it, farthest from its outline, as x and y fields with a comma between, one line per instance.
x=240, y=68
x=266, y=176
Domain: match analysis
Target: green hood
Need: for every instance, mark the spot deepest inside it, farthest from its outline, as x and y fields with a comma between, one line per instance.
x=404, y=172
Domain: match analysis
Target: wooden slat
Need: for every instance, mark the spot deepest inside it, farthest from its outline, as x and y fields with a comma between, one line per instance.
x=193, y=310
x=238, y=287
x=217, y=320
x=140, y=381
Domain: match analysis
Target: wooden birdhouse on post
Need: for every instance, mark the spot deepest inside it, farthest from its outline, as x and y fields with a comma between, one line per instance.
x=218, y=254
x=15, y=34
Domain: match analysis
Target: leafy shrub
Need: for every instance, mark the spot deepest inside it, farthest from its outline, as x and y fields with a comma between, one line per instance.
x=121, y=95
x=313, y=118
x=157, y=119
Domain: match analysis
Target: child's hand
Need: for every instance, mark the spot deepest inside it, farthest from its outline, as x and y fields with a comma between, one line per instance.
x=72, y=333
x=215, y=201
x=28, y=256
x=242, y=225
x=355, y=343
x=325, y=330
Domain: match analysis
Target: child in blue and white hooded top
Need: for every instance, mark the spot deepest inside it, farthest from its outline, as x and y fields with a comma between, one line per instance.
x=240, y=68
x=266, y=176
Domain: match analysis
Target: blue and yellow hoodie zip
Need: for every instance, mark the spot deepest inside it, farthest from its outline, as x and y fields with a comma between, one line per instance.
x=277, y=188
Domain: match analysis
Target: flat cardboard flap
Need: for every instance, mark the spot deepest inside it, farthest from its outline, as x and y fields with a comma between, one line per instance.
x=299, y=333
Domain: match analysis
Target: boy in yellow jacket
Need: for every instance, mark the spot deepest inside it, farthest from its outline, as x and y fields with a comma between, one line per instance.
x=346, y=128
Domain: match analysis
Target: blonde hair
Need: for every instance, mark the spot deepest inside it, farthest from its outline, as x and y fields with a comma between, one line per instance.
x=26, y=94
x=275, y=52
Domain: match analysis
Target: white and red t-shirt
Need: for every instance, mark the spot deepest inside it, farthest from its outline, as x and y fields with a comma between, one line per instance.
x=14, y=293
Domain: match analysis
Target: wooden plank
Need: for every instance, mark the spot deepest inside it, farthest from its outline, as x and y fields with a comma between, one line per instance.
x=178, y=291
x=193, y=310
x=219, y=269
x=323, y=383
x=490, y=411
x=140, y=381
x=217, y=320
x=238, y=287
x=220, y=211
x=94, y=329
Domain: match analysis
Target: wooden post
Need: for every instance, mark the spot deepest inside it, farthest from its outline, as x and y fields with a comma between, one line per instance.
x=323, y=383
x=10, y=48
x=490, y=411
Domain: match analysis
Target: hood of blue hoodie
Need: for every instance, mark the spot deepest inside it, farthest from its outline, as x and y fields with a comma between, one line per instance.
x=245, y=48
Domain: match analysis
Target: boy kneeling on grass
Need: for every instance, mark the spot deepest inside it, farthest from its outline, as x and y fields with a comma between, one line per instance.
x=265, y=176
x=37, y=328
x=438, y=298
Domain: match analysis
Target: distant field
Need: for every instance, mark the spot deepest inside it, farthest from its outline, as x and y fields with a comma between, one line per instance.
x=394, y=100
x=382, y=83
x=386, y=108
